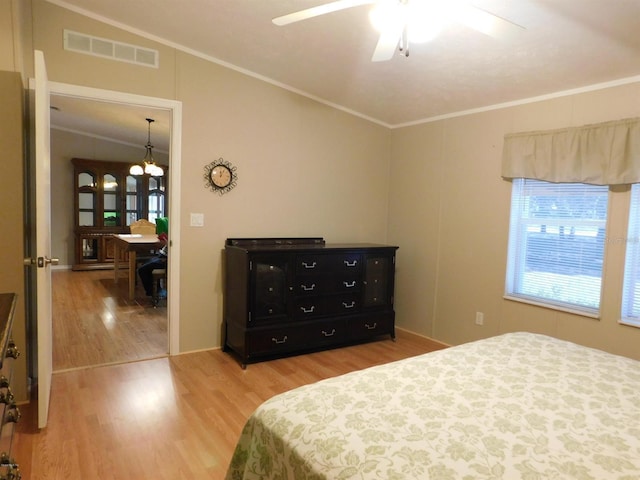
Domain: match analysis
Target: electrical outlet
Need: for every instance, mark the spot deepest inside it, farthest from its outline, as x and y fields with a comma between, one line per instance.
x=479, y=318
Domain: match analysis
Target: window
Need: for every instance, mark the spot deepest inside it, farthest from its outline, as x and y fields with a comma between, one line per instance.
x=631, y=285
x=556, y=244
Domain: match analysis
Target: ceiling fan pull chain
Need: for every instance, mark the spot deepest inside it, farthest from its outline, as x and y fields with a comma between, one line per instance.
x=404, y=42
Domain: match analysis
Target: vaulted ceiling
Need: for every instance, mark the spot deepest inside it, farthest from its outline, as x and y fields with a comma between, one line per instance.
x=564, y=45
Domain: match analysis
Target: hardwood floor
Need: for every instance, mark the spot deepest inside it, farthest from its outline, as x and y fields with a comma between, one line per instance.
x=94, y=322
x=174, y=417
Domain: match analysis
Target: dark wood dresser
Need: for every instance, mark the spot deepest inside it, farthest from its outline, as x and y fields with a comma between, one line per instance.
x=10, y=413
x=284, y=296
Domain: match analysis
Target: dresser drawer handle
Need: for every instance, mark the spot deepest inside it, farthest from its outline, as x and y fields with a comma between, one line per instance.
x=308, y=310
x=347, y=263
x=309, y=265
x=13, y=415
x=7, y=397
x=308, y=289
x=275, y=340
x=333, y=332
x=349, y=305
x=4, y=381
x=5, y=460
x=371, y=327
x=349, y=284
x=12, y=350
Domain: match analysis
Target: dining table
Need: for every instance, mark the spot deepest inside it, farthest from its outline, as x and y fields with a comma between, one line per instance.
x=133, y=244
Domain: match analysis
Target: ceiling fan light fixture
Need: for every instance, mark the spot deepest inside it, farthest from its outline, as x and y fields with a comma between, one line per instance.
x=387, y=15
x=425, y=27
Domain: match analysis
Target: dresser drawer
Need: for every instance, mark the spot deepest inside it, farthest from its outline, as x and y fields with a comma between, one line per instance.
x=368, y=326
x=326, y=284
x=310, y=307
x=8, y=361
x=6, y=437
x=264, y=341
x=326, y=333
x=10, y=415
x=336, y=263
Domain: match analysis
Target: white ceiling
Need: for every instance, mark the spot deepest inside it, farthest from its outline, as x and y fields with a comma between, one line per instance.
x=565, y=45
x=119, y=122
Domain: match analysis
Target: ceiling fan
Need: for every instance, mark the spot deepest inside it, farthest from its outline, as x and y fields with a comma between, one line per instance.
x=403, y=21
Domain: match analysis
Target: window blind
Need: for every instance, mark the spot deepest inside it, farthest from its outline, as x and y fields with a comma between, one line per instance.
x=631, y=285
x=556, y=244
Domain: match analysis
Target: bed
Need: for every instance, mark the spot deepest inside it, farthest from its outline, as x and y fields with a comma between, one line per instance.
x=515, y=406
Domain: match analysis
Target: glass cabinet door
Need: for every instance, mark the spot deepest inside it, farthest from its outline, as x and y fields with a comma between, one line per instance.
x=133, y=207
x=111, y=210
x=376, y=284
x=156, y=198
x=87, y=195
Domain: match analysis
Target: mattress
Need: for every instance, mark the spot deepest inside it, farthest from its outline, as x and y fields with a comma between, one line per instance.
x=514, y=406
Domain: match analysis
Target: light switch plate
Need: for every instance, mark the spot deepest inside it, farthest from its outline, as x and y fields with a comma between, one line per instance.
x=197, y=220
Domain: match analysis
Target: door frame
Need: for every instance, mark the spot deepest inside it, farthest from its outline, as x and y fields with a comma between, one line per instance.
x=175, y=162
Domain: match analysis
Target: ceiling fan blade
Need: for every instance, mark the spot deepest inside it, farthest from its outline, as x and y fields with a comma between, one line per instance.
x=486, y=22
x=319, y=10
x=387, y=44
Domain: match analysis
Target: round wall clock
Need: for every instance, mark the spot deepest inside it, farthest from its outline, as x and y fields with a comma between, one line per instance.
x=220, y=176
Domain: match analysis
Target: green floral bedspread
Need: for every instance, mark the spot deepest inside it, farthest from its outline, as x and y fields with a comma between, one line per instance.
x=516, y=406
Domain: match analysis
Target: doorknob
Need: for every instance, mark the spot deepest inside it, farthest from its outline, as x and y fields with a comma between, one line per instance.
x=41, y=261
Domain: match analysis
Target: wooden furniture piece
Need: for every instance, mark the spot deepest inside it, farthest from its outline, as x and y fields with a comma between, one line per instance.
x=107, y=200
x=289, y=295
x=142, y=226
x=133, y=244
x=9, y=410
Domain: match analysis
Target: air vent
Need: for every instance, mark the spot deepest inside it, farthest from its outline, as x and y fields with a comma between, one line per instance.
x=102, y=47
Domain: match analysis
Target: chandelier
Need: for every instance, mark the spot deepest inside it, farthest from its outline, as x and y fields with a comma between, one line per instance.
x=148, y=163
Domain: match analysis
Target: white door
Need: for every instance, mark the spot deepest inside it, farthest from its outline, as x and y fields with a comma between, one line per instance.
x=43, y=237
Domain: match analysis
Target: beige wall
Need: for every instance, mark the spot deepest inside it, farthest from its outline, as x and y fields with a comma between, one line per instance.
x=10, y=43
x=449, y=212
x=304, y=169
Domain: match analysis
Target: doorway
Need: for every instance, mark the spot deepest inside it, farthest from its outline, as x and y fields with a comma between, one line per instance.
x=100, y=325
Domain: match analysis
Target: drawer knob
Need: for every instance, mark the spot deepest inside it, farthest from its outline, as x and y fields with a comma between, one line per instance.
x=371, y=327
x=275, y=340
x=309, y=265
x=308, y=310
x=347, y=263
x=331, y=334
x=7, y=397
x=13, y=415
x=350, y=284
x=308, y=289
x=12, y=472
x=12, y=351
x=4, y=381
x=349, y=305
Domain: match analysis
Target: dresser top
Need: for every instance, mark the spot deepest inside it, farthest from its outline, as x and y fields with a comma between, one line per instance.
x=296, y=244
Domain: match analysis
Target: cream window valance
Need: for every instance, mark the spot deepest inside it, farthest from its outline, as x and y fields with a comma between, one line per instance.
x=600, y=154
